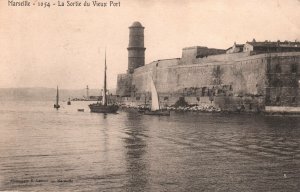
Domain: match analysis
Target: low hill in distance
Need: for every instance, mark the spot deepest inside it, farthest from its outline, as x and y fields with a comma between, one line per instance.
x=44, y=94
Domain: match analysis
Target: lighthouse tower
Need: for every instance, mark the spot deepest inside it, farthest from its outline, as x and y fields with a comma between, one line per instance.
x=136, y=49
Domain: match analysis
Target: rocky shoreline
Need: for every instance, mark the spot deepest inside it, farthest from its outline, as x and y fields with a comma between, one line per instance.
x=196, y=108
x=204, y=109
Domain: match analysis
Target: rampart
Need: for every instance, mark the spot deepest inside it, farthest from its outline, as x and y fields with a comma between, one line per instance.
x=124, y=83
x=229, y=81
x=254, y=76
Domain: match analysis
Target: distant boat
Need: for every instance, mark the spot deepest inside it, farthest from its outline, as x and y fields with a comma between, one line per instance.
x=104, y=107
x=80, y=110
x=56, y=105
x=155, y=108
x=145, y=107
x=69, y=102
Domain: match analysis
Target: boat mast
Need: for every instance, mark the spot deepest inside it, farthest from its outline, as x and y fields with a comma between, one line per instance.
x=104, y=95
x=57, y=96
x=87, y=92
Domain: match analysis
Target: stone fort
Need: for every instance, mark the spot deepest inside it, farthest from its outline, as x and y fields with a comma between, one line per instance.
x=255, y=76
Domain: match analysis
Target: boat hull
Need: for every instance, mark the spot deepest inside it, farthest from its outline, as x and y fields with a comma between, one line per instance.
x=99, y=108
x=158, y=112
x=56, y=106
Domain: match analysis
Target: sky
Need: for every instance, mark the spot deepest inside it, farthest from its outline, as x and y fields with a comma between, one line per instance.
x=64, y=46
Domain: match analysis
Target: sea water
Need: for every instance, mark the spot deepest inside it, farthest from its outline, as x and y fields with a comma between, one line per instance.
x=44, y=149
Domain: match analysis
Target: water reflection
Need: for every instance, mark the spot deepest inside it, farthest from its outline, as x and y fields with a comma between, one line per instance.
x=105, y=134
x=131, y=152
x=135, y=145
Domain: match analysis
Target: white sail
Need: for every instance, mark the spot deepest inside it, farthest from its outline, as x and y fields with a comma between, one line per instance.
x=154, y=96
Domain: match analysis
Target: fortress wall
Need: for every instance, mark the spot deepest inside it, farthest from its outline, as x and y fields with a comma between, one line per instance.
x=243, y=56
x=246, y=75
x=158, y=64
x=145, y=68
x=246, y=78
x=158, y=70
x=283, y=75
x=124, y=84
x=190, y=54
x=192, y=100
x=242, y=77
x=248, y=81
x=246, y=103
x=222, y=57
x=217, y=81
x=168, y=62
x=141, y=81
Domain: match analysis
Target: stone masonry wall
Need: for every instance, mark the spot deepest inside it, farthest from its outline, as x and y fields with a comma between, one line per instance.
x=217, y=81
x=283, y=75
x=124, y=85
x=248, y=82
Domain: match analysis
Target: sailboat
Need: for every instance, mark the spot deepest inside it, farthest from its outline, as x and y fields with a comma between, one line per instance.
x=144, y=107
x=69, y=101
x=155, y=107
x=56, y=105
x=104, y=107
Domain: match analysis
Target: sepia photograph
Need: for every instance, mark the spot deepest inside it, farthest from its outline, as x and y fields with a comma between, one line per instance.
x=149, y=95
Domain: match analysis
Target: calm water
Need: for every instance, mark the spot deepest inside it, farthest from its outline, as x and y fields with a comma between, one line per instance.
x=42, y=149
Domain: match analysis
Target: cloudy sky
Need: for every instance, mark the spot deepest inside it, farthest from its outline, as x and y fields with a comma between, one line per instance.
x=45, y=47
